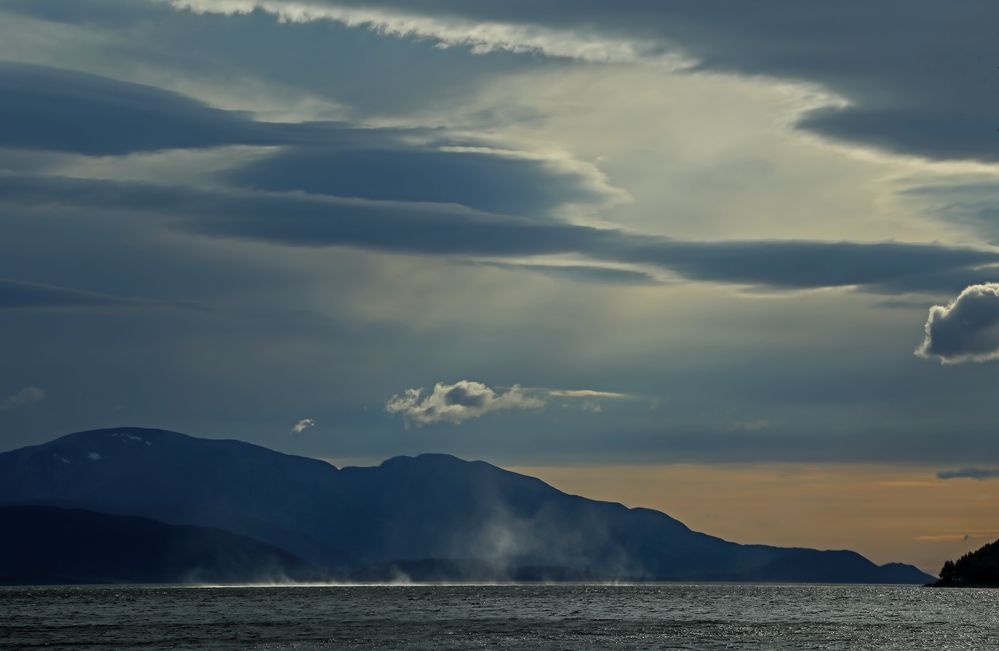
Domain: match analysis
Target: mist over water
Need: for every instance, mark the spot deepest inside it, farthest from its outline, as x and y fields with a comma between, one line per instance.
x=567, y=616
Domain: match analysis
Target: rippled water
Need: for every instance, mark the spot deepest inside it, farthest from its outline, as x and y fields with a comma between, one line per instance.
x=698, y=616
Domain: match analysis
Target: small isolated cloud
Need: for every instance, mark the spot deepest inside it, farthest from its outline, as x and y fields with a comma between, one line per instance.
x=302, y=425
x=970, y=472
x=966, y=330
x=458, y=402
x=467, y=399
x=25, y=396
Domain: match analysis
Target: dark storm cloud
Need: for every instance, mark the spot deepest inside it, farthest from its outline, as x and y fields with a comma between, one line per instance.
x=966, y=330
x=487, y=181
x=424, y=228
x=301, y=220
x=916, y=73
x=930, y=134
x=970, y=472
x=48, y=108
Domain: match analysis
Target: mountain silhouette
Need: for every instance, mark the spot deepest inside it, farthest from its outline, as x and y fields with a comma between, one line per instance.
x=51, y=545
x=433, y=515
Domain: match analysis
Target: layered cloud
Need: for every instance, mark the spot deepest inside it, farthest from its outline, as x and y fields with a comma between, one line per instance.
x=342, y=184
x=406, y=197
x=439, y=229
x=45, y=108
x=969, y=472
x=63, y=110
x=886, y=97
x=481, y=36
x=489, y=180
x=965, y=330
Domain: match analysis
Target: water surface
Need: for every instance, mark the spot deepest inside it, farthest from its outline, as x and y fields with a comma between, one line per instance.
x=678, y=616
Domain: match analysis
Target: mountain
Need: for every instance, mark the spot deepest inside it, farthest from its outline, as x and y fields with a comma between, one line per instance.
x=51, y=545
x=432, y=512
x=977, y=569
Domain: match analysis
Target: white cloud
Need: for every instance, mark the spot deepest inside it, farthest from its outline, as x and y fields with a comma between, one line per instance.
x=302, y=425
x=966, y=330
x=467, y=400
x=25, y=396
x=458, y=402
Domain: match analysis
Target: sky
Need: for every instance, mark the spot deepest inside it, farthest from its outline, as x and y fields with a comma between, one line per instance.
x=738, y=263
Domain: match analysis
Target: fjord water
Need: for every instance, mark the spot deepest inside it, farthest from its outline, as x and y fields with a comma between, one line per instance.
x=566, y=616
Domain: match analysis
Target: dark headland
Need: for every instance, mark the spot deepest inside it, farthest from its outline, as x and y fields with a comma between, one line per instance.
x=977, y=569
x=134, y=504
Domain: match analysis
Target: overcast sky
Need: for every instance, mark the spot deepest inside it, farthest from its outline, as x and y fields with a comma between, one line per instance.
x=543, y=233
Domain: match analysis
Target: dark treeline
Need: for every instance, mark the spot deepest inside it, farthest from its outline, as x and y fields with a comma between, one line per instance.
x=977, y=568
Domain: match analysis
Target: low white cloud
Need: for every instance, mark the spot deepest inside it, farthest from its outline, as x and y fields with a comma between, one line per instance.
x=25, y=396
x=966, y=330
x=467, y=400
x=458, y=402
x=302, y=425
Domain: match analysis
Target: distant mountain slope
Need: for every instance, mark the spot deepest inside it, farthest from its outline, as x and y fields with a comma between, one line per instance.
x=43, y=544
x=405, y=510
x=979, y=568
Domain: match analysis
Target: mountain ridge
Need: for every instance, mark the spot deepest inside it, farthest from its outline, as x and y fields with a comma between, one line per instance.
x=405, y=510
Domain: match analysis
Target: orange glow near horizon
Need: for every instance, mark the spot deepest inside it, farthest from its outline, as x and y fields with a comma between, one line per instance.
x=887, y=513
